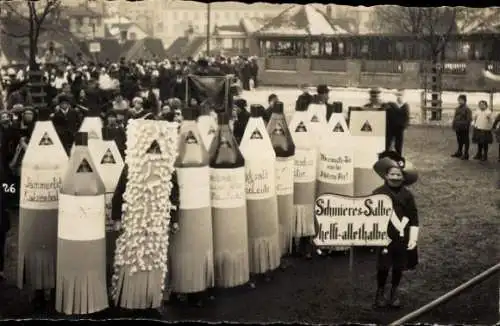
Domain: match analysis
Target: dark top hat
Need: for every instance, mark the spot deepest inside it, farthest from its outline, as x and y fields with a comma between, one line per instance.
x=391, y=159
x=322, y=89
x=374, y=91
x=65, y=99
x=241, y=103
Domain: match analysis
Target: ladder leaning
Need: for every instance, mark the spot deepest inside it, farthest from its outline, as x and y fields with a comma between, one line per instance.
x=431, y=97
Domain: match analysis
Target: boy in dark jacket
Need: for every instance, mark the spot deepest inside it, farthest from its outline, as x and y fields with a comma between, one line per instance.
x=398, y=118
x=496, y=131
x=461, y=124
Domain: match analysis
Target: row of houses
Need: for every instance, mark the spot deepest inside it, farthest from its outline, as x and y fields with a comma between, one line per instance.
x=100, y=38
x=245, y=38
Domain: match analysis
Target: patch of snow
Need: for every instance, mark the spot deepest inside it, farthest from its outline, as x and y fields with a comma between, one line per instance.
x=351, y=96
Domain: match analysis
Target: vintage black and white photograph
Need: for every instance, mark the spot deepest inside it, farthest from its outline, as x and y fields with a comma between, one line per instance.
x=249, y=162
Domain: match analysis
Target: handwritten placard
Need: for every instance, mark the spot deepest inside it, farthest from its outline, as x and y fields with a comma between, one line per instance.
x=336, y=168
x=260, y=179
x=194, y=187
x=227, y=187
x=352, y=221
x=305, y=163
x=81, y=218
x=40, y=189
x=284, y=175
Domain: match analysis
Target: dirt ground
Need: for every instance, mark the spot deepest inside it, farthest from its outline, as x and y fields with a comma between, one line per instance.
x=460, y=222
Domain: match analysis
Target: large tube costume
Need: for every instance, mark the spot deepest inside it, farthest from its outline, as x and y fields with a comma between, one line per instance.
x=43, y=166
x=81, y=245
x=141, y=251
x=284, y=149
x=207, y=127
x=192, y=246
x=262, y=206
x=368, y=135
x=317, y=119
x=306, y=158
x=336, y=161
x=92, y=125
x=109, y=164
x=229, y=211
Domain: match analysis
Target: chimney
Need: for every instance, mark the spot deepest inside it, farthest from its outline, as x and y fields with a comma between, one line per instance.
x=329, y=11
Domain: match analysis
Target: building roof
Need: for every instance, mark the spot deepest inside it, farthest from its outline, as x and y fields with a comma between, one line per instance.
x=110, y=49
x=147, y=49
x=230, y=30
x=253, y=24
x=223, y=5
x=80, y=11
x=185, y=47
x=112, y=30
x=12, y=50
x=301, y=20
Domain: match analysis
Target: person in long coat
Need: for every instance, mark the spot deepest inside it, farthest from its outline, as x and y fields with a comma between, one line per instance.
x=398, y=119
x=403, y=228
x=4, y=215
x=240, y=118
x=66, y=121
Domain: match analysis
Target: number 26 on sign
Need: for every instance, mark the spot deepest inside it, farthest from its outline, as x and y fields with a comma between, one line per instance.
x=9, y=188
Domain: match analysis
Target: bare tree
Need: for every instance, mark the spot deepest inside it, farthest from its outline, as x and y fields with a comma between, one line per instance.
x=431, y=26
x=473, y=20
x=38, y=16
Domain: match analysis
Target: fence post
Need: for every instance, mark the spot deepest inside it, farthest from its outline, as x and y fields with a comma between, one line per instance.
x=453, y=293
x=423, y=109
x=492, y=94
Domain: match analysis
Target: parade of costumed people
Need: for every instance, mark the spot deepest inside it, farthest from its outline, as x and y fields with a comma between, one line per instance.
x=171, y=177
x=134, y=194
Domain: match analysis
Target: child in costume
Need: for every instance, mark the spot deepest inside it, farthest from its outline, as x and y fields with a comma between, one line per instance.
x=462, y=120
x=401, y=252
x=496, y=131
x=482, y=135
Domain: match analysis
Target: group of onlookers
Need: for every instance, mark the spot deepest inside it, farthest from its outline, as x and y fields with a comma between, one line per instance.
x=485, y=127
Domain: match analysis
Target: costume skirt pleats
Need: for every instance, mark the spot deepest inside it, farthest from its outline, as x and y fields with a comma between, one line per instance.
x=230, y=238
x=304, y=198
x=139, y=290
x=286, y=212
x=263, y=235
x=37, y=248
x=191, y=252
x=81, y=277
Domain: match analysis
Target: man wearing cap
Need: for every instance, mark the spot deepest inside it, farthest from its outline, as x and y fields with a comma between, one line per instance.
x=403, y=227
x=398, y=118
x=322, y=97
x=375, y=103
x=271, y=100
x=66, y=121
x=306, y=98
x=322, y=94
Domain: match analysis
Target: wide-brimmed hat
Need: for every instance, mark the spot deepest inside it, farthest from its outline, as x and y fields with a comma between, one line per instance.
x=391, y=159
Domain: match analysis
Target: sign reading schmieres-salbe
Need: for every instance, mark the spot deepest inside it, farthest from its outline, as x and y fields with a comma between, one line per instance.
x=352, y=221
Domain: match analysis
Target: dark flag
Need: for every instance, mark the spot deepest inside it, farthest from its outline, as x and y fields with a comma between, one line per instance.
x=208, y=90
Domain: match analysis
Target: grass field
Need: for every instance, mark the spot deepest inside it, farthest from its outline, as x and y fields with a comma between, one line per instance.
x=460, y=222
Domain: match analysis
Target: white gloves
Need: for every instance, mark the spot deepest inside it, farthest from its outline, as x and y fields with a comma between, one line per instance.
x=412, y=242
